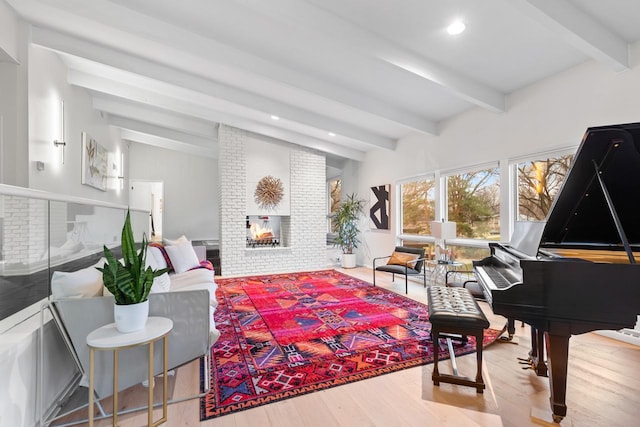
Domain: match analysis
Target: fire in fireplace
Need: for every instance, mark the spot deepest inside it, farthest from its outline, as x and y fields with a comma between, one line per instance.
x=263, y=231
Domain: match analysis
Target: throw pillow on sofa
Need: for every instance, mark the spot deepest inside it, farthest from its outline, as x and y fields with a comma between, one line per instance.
x=183, y=257
x=86, y=282
x=179, y=240
x=163, y=252
x=155, y=258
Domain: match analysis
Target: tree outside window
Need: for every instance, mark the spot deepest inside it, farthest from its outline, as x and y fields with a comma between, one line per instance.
x=538, y=184
x=473, y=202
x=418, y=206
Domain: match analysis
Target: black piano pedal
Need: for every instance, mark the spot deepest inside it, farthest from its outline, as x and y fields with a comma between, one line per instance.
x=539, y=368
x=528, y=362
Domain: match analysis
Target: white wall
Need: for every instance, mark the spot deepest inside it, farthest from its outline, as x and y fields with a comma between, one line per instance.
x=263, y=159
x=190, y=189
x=13, y=100
x=28, y=93
x=551, y=114
x=47, y=87
x=8, y=33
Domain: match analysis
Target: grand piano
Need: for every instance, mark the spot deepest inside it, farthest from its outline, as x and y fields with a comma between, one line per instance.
x=582, y=274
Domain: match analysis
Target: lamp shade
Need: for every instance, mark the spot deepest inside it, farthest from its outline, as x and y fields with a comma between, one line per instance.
x=443, y=229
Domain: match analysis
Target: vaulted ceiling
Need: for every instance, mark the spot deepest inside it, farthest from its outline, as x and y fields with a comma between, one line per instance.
x=341, y=76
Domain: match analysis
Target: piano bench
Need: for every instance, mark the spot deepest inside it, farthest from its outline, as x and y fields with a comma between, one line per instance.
x=455, y=311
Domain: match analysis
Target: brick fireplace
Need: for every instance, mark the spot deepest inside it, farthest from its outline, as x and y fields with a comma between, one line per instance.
x=302, y=232
x=263, y=231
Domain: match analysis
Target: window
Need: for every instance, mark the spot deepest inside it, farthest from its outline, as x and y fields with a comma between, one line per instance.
x=429, y=248
x=538, y=182
x=467, y=254
x=335, y=193
x=418, y=206
x=473, y=202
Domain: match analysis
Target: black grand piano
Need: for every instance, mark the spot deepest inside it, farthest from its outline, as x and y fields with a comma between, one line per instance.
x=582, y=274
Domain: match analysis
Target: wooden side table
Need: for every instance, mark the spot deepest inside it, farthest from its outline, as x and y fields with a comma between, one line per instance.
x=109, y=338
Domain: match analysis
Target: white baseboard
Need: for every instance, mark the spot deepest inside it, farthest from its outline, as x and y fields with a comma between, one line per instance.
x=631, y=336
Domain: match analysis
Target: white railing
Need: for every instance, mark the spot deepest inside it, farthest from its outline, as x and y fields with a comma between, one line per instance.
x=41, y=232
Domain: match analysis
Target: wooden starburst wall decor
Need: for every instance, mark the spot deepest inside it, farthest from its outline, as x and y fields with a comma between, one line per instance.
x=269, y=192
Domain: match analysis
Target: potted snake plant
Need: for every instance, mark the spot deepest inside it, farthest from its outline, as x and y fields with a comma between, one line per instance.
x=129, y=281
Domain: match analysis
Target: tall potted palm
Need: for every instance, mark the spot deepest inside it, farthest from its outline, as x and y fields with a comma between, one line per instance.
x=129, y=281
x=346, y=220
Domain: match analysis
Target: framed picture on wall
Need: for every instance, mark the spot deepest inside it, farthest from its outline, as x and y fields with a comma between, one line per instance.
x=379, y=211
x=94, y=163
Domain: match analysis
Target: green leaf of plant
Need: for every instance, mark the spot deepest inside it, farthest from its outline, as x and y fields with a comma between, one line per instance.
x=129, y=283
x=346, y=220
x=129, y=252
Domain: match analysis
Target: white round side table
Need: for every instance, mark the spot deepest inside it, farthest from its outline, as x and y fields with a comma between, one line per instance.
x=440, y=269
x=109, y=338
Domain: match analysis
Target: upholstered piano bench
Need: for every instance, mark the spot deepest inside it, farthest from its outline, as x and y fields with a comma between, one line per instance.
x=453, y=312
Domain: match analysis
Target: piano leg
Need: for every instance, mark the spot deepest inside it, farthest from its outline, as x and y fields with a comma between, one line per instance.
x=511, y=330
x=558, y=353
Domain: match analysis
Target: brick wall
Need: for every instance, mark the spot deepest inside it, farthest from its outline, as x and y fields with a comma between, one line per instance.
x=24, y=235
x=304, y=232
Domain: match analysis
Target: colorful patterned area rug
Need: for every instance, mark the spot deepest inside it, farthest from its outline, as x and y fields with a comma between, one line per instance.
x=289, y=334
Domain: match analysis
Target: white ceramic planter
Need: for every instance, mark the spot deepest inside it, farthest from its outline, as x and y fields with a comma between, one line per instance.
x=348, y=260
x=131, y=317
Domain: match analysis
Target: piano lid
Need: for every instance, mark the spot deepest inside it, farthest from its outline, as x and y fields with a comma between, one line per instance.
x=580, y=215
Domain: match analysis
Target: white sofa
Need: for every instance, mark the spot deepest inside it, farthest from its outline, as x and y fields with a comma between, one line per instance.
x=188, y=298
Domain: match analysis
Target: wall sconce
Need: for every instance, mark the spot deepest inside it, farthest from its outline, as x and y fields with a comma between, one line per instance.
x=117, y=176
x=60, y=142
x=121, y=175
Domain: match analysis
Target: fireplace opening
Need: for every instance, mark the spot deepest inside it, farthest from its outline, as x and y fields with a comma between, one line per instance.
x=263, y=231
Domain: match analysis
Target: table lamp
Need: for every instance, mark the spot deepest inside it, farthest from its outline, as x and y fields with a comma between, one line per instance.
x=443, y=230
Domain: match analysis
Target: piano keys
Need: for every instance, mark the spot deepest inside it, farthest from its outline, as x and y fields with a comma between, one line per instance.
x=582, y=275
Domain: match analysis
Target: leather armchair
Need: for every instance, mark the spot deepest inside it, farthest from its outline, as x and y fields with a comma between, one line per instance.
x=406, y=270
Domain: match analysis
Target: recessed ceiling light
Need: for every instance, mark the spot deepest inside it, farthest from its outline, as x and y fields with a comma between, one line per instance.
x=332, y=134
x=456, y=28
x=275, y=117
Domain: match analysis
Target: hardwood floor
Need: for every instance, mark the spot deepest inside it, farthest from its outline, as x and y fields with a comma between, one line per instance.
x=603, y=389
